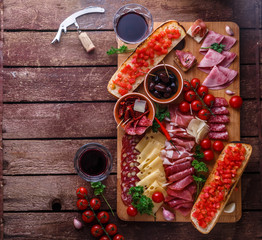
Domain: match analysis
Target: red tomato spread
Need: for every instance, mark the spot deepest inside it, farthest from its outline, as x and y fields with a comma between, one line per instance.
x=143, y=58
x=214, y=194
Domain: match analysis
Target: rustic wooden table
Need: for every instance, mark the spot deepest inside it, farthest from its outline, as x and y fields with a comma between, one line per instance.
x=54, y=100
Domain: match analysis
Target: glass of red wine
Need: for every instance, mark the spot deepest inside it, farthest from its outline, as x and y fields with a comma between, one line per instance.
x=133, y=23
x=93, y=162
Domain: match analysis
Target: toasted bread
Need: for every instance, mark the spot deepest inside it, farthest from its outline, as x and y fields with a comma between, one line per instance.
x=180, y=65
x=113, y=88
x=227, y=194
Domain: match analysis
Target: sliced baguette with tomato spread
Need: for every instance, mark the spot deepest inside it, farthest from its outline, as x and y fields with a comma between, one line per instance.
x=113, y=88
x=228, y=193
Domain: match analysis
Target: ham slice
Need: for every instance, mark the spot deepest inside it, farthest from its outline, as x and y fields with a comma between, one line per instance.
x=212, y=37
x=229, y=58
x=180, y=175
x=215, y=78
x=229, y=73
x=181, y=184
x=187, y=59
x=211, y=59
x=228, y=42
x=177, y=168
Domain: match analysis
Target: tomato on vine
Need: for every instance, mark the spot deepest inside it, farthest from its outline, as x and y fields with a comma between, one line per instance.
x=209, y=99
x=118, y=237
x=81, y=192
x=190, y=96
x=184, y=107
x=103, y=217
x=95, y=203
x=202, y=91
x=97, y=230
x=195, y=82
x=186, y=86
x=203, y=114
x=82, y=204
x=88, y=216
x=196, y=105
x=111, y=229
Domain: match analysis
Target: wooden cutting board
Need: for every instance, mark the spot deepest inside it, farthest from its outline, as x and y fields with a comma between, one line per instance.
x=233, y=127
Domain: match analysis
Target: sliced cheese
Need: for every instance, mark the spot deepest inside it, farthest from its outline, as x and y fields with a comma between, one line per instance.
x=157, y=163
x=154, y=176
x=155, y=187
x=150, y=152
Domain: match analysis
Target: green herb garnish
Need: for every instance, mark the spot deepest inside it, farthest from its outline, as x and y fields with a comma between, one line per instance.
x=198, y=154
x=161, y=114
x=200, y=181
x=99, y=190
x=122, y=49
x=141, y=202
x=199, y=166
x=215, y=46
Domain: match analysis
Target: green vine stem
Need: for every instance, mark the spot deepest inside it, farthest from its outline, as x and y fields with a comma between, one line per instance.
x=108, y=204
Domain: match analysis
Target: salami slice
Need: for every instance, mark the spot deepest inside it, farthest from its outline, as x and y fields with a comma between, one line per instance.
x=218, y=135
x=220, y=102
x=220, y=110
x=217, y=127
x=219, y=119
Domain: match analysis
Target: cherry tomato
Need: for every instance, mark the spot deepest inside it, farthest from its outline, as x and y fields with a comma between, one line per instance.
x=131, y=211
x=104, y=238
x=97, y=230
x=82, y=204
x=195, y=82
x=187, y=86
x=103, y=217
x=205, y=143
x=184, y=107
x=111, y=229
x=196, y=105
x=235, y=102
x=190, y=96
x=218, y=145
x=95, y=203
x=88, y=216
x=158, y=197
x=202, y=91
x=209, y=99
x=203, y=114
x=208, y=155
x=118, y=237
x=81, y=192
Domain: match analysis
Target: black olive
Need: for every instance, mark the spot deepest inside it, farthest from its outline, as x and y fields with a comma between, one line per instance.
x=157, y=79
x=173, y=86
x=151, y=86
x=168, y=89
x=157, y=94
x=172, y=77
x=160, y=87
x=167, y=95
x=164, y=77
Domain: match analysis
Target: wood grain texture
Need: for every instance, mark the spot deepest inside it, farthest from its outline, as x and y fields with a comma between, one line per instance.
x=35, y=49
x=47, y=156
x=31, y=15
x=36, y=193
x=60, y=226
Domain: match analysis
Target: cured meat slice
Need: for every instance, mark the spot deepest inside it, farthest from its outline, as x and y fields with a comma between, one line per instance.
x=215, y=78
x=173, y=201
x=220, y=110
x=229, y=58
x=192, y=188
x=179, y=119
x=174, y=154
x=229, y=73
x=218, y=135
x=212, y=37
x=220, y=102
x=219, y=119
x=185, y=59
x=228, y=42
x=211, y=59
x=217, y=127
x=180, y=175
x=177, y=168
x=182, y=160
x=187, y=205
x=198, y=28
x=181, y=184
x=145, y=122
x=184, y=194
x=184, y=211
x=186, y=143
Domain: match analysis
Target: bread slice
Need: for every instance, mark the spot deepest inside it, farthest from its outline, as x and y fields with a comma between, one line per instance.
x=180, y=65
x=113, y=88
x=227, y=195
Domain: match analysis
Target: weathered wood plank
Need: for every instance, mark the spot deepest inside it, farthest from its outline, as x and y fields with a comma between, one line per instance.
x=35, y=49
x=60, y=226
x=47, y=156
x=59, y=120
x=82, y=120
x=80, y=84
x=30, y=15
x=34, y=193
x=56, y=156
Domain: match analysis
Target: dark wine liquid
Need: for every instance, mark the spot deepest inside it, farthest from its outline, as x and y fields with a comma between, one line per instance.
x=131, y=27
x=93, y=162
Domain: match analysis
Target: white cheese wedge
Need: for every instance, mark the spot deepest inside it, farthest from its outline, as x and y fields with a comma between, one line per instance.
x=154, y=176
x=157, y=163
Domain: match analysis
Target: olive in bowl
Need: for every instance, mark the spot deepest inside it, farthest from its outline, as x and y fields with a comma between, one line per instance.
x=162, y=87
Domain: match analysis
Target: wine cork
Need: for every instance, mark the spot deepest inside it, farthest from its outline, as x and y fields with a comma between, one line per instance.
x=86, y=42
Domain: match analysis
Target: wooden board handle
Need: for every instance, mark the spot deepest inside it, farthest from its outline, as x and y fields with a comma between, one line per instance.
x=86, y=42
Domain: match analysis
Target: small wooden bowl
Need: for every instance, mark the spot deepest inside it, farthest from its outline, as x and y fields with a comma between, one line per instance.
x=150, y=105
x=171, y=69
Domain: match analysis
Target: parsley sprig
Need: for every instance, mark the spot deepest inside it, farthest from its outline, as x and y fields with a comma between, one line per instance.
x=215, y=46
x=122, y=49
x=141, y=202
x=161, y=114
x=99, y=190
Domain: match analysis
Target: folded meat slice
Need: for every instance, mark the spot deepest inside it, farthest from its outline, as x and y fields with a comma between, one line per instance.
x=180, y=175
x=186, y=58
x=228, y=42
x=180, y=152
x=184, y=211
x=177, y=168
x=181, y=184
x=187, y=205
x=186, y=143
x=215, y=78
x=211, y=59
x=177, y=118
x=229, y=58
x=229, y=73
x=183, y=194
x=220, y=110
x=173, y=201
x=212, y=37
